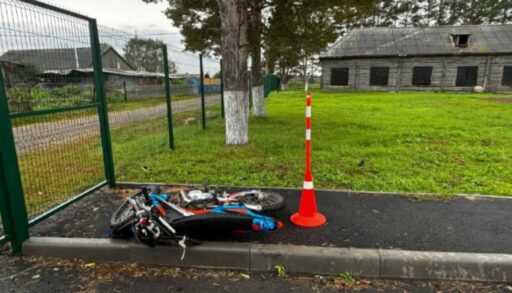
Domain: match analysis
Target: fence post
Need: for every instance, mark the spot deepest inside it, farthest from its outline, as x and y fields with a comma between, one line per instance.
x=106, y=142
x=265, y=85
x=203, y=110
x=12, y=200
x=221, y=90
x=124, y=91
x=249, y=83
x=168, y=97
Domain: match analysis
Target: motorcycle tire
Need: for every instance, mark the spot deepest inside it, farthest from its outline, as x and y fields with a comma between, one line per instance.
x=271, y=203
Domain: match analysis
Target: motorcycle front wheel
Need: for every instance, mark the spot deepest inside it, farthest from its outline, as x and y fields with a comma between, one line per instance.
x=121, y=220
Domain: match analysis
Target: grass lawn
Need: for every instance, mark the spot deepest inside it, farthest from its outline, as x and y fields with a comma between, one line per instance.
x=444, y=143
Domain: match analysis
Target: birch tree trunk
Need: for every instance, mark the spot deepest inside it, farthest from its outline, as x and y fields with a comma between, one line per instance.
x=258, y=95
x=234, y=48
x=305, y=72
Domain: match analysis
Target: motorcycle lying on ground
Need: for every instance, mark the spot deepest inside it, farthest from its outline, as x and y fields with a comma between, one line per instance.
x=150, y=216
x=268, y=203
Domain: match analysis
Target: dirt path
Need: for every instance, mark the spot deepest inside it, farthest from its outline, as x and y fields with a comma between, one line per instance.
x=60, y=132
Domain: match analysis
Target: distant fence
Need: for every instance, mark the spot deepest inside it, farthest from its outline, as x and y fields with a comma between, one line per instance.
x=271, y=82
x=140, y=92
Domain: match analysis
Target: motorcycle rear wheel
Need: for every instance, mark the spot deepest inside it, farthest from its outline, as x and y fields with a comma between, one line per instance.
x=271, y=203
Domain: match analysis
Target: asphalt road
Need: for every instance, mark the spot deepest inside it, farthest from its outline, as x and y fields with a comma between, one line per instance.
x=60, y=132
x=354, y=220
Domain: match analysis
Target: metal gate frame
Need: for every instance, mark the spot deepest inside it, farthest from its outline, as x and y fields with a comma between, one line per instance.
x=12, y=201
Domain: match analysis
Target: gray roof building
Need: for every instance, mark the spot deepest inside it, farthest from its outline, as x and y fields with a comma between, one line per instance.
x=453, y=58
x=58, y=59
x=426, y=41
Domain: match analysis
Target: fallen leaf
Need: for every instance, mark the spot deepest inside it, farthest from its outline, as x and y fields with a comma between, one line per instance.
x=245, y=276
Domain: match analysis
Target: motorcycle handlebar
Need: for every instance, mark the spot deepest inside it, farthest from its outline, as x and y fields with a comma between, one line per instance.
x=147, y=190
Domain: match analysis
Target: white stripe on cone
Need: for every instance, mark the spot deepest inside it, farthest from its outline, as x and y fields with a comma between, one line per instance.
x=308, y=134
x=308, y=184
x=308, y=112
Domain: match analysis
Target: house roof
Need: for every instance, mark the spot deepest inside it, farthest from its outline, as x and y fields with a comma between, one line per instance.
x=106, y=70
x=55, y=59
x=414, y=41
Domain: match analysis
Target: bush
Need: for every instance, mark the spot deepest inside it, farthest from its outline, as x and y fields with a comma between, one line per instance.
x=69, y=95
x=19, y=99
x=22, y=98
x=41, y=98
x=114, y=95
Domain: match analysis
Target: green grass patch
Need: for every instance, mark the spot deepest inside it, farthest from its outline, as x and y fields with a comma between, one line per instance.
x=54, y=174
x=443, y=143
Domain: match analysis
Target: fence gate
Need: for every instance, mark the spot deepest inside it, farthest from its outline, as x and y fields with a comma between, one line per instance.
x=53, y=115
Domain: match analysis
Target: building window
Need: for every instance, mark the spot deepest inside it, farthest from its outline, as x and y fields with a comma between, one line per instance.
x=507, y=76
x=461, y=41
x=379, y=76
x=467, y=75
x=339, y=76
x=422, y=75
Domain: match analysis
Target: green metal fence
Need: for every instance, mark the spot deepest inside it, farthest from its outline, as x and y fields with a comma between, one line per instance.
x=168, y=104
x=54, y=106
x=83, y=106
x=271, y=82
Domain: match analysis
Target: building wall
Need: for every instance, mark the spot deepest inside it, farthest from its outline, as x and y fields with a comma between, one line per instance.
x=495, y=75
x=444, y=72
x=11, y=73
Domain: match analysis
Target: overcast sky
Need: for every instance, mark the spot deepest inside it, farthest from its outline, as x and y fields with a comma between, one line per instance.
x=128, y=15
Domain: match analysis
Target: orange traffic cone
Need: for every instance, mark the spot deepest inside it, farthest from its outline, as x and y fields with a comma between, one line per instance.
x=308, y=215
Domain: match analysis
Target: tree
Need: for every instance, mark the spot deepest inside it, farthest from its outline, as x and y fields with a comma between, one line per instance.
x=144, y=54
x=281, y=42
x=200, y=24
x=208, y=26
x=298, y=30
x=220, y=27
x=437, y=12
x=255, y=42
x=234, y=51
x=173, y=68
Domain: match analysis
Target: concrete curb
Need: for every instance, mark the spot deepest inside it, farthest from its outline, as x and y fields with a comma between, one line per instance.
x=372, y=263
